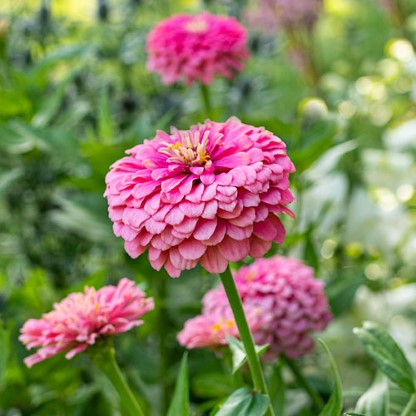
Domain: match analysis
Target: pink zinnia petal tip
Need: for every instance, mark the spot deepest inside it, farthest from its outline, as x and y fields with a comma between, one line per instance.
x=209, y=195
x=283, y=302
x=197, y=48
x=81, y=318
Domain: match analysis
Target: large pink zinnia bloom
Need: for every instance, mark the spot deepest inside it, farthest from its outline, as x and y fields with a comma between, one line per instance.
x=197, y=48
x=210, y=194
x=79, y=319
x=283, y=291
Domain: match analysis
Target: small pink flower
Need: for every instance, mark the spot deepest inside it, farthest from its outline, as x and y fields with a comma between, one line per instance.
x=207, y=195
x=81, y=318
x=211, y=330
x=197, y=48
x=291, y=305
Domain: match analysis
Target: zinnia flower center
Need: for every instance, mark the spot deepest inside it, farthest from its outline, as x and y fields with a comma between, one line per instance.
x=221, y=325
x=196, y=26
x=190, y=150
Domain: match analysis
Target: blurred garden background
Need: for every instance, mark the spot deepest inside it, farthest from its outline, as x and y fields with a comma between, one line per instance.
x=339, y=89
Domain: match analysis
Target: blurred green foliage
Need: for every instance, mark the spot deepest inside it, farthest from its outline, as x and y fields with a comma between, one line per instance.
x=75, y=93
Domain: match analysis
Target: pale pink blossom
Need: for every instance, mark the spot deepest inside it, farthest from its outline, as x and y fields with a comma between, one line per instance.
x=81, y=318
x=197, y=48
x=268, y=15
x=290, y=301
x=208, y=195
x=211, y=330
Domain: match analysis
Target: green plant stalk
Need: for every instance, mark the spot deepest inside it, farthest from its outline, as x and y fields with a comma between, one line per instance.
x=207, y=101
x=104, y=357
x=317, y=401
x=410, y=406
x=245, y=335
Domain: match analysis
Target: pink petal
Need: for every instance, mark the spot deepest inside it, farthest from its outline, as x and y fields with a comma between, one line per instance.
x=192, y=249
x=205, y=229
x=213, y=261
x=234, y=250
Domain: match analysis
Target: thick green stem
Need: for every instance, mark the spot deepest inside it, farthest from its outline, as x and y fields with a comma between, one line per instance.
x=245, y=334
x=104, y=358
x=207, y=101
x=317, y=401
x=410, y=406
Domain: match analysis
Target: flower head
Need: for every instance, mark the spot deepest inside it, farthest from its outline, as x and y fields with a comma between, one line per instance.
x=211, y=330
x=290, y=304
x=284, y=14
x=81, y=318
x=210, y=194
x=197, y=48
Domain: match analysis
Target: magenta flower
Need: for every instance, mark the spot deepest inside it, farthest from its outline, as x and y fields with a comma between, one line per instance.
x=207, y=195
x=81, y=318
x=290, y=302
x=197, y=48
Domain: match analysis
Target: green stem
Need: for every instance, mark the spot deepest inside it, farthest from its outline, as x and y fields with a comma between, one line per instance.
x=410, y=405
x=245, y=334
x=104, y=358
x=207, y=101
x=317, y=401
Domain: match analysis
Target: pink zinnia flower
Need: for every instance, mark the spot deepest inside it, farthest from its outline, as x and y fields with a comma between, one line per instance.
x=81, y=318
x=197, y=48
x=283, y=291
x=209, y=195
x=211, y=330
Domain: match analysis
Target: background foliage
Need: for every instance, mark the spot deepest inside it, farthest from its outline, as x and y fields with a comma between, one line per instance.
x=75, y=93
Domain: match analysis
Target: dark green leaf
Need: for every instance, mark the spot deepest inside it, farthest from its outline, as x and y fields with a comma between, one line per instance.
x=4, y=350
x=375, y=401
x=244, y=402
x=180, y=401
x=334, y=406
x=212, y=385
x=388, y=356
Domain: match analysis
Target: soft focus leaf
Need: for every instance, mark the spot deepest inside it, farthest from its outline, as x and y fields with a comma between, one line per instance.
x=4, y=350
x=334, y=405
x=238, y=352
x=180, y=400
x=388, y=356
x=375, y=401
x=244, y=402
x=341, y=290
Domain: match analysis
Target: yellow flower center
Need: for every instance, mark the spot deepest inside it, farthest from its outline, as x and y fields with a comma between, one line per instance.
x=191, y=150
x=222, y=325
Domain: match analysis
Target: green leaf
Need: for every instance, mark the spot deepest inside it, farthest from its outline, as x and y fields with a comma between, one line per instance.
x=4, y=350
x=277, y=390
x=180, y=401
x=239, y=353
x=51, y=104
x=375, y=401
x=9, y=178
x=334, y=405
x=212, y=385
x=354, y=414
x=341, y=290
x=244, y=402
x=388, y=356
x=105, y=122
